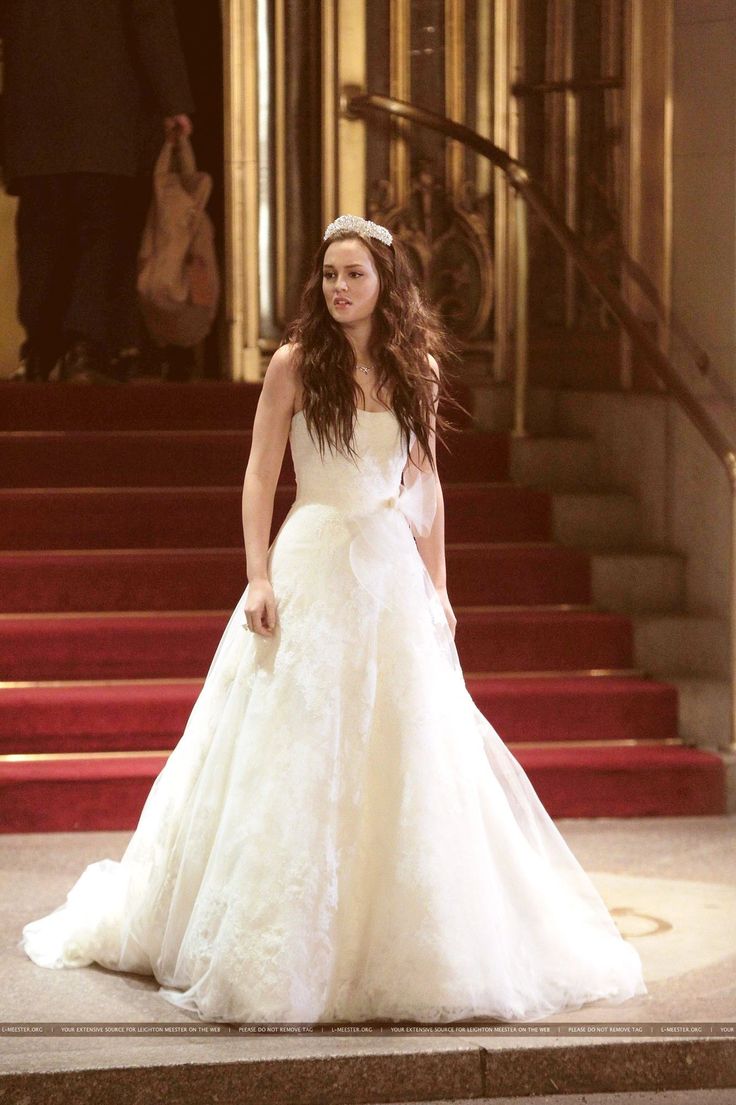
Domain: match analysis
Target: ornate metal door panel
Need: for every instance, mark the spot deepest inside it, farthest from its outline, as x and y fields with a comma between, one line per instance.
x=273, y=64
x=436, y=196
x=573, y=88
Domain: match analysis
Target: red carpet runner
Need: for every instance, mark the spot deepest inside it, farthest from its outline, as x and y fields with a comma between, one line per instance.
x=121, y=557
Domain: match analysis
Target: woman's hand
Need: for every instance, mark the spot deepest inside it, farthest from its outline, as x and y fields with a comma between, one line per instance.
x=260, y=608
x=447, y=607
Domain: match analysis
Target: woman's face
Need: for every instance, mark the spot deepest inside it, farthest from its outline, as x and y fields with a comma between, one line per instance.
x=350, y=282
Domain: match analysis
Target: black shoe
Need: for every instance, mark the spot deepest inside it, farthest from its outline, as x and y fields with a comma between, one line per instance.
x=132, y=365
x=85, y=363
x=34, y=365
x=20, y=376
x=177, y=363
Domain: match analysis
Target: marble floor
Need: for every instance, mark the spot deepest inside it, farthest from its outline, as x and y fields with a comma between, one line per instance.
x=670, y=884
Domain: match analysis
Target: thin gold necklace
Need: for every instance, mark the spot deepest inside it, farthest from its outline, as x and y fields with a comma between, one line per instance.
x=362, y=367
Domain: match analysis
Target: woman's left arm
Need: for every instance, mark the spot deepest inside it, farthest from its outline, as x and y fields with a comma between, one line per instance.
x=432, y=546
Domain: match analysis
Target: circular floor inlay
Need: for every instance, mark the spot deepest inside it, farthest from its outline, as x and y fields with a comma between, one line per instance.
x=676, y=925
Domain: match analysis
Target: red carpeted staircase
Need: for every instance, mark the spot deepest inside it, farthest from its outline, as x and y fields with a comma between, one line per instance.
x=120, y=560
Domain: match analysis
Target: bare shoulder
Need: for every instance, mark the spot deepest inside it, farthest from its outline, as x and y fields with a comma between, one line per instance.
x=282, y=368
x=280, y=381
x=436, y=372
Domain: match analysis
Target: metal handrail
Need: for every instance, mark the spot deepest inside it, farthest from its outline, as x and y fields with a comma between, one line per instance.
x=521, y=180
x=666, y=316
x=575, y=84
x=357, y=104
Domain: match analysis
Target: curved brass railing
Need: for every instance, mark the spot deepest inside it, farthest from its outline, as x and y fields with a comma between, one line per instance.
x=572, y=243
x=359, y=104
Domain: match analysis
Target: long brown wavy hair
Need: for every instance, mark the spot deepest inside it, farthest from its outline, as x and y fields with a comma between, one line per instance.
x=405, y=330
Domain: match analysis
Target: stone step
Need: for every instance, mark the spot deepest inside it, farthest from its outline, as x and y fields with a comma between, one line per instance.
x=507, y=573
x=555, y=462
x=548, y=712
x=603, y=519
x=704, y=710
x=493, y=408
x=643, y=1097
x=211, y=517
x=350, y=1070
x=188, y=458
x=682, y=644
x=638, y=581
x=170, y=644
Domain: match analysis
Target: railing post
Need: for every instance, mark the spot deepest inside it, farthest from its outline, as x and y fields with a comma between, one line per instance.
x=521, y=371
x=731, y=465
x=529, y=195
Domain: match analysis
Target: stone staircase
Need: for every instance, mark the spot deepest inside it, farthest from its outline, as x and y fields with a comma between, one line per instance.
x=121, y=551
x=630, y=575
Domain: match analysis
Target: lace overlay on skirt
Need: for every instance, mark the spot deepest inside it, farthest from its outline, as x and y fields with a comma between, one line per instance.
x=340, y=834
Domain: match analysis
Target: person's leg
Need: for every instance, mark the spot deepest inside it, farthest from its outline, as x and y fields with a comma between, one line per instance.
x=127, y=332
x=135, y=355
x=96, y=201
x=42, y=256
x=99, y=202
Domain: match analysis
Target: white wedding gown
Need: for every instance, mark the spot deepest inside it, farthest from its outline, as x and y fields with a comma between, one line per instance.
x=340, y=834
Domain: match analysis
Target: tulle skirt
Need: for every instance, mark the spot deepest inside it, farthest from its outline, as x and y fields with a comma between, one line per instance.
x=340, y=834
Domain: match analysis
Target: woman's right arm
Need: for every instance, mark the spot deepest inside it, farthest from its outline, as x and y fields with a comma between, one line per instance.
x=270, y=434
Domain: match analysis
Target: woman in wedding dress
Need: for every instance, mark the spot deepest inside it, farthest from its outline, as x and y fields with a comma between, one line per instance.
x=340, y=834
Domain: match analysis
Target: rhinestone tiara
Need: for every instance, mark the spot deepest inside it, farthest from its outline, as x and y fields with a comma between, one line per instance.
x=356, y=225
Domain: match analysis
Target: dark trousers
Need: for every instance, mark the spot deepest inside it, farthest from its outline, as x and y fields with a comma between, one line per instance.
x=77, y=243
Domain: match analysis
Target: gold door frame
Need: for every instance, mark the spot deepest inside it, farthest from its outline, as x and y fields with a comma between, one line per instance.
x=648, y=171
x=343, y=139
x=255, y=234
x=242, y=299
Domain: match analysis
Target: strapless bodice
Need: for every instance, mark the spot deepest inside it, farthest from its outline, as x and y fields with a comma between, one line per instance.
x=350, y=484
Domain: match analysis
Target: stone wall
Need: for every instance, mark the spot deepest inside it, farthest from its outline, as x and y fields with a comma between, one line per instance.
x=704, y=164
